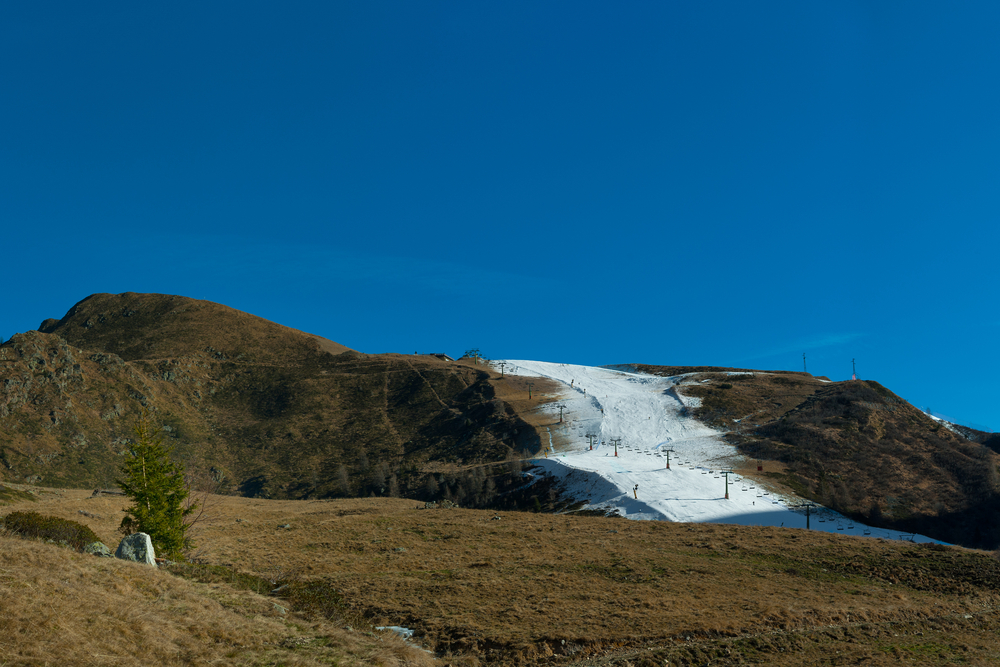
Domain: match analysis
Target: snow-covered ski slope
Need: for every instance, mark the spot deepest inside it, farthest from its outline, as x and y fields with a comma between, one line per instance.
x=648, y=414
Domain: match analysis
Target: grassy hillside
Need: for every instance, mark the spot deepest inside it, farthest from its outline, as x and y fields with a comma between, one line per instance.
x=859, y=448
x=499, y=588
x=67, y=608
x=259, y=409
x=251, y=407
x=162, y=326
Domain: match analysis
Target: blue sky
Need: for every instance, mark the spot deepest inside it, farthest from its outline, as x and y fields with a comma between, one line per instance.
x=722, y=183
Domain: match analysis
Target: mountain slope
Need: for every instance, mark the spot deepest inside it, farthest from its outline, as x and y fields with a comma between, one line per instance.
x=859, y=448
x=162, y=326
x=501, y=589
x=259, y=408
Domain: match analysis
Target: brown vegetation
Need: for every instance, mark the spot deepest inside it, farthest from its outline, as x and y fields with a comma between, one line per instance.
x=482, y=587
x=860, y=449
x=745, y=400
x=49, y=528
x=670, y=371
x=513, y=390
x=258, y=409
x=251, y=407
x=162, y=326
x=62, y=607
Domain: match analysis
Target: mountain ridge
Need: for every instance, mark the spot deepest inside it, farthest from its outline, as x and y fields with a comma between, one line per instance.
x=123, y=324
x=258, y=408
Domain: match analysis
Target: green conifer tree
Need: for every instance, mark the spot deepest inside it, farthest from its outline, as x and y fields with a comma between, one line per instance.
x=156, y=487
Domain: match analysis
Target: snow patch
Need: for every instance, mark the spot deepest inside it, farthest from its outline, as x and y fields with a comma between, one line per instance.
x=646, y=420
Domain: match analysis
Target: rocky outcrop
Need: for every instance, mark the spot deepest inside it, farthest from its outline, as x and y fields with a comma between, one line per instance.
x=98, y=549
x=137, y=547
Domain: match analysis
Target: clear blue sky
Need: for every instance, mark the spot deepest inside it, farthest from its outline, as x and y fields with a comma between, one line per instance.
x=723, y=183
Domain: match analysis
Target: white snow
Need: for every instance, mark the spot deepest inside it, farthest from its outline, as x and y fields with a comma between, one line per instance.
x=647, y=413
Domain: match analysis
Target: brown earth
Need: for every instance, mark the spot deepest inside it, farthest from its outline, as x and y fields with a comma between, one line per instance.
x=500, y=588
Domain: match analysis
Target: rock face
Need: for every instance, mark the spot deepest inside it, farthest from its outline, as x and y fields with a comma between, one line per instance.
x=137, y=547
x=98, y=549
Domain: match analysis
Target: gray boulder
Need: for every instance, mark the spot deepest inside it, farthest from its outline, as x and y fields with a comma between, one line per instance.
x=137, y=547
x=98, y=549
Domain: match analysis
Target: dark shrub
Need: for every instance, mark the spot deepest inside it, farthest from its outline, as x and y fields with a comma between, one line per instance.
x=33, y=524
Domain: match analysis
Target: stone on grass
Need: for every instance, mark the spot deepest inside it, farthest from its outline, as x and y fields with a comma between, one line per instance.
x=98, y=549
x=137, y=547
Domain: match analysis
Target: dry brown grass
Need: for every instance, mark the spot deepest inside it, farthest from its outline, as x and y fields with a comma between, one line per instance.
x=513, y=390
x=61, y=607
x=261, y=409
x=158, y=326
x=860, y=449
x=510, y=588
x=754, y=399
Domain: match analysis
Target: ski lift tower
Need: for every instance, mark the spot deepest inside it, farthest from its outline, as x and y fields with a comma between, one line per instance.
x=669, y=452
x=561, y=407
x=809, y=507
x=727, y=473
x=854, y=370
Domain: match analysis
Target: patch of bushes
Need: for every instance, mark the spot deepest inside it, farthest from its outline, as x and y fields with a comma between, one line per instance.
x=9, y=495
x=794, y=482
x=319, y=598
x=35, y=525
x=315, y=598
x=214, y=574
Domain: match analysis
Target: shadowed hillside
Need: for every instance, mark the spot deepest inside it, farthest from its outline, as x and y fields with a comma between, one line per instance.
x=258, y=408
x=857, y=447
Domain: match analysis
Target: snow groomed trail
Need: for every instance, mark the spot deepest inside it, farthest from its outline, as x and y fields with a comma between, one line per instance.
x=649, y=416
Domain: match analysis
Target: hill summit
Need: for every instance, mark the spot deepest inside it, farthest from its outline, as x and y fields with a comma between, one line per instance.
x=162, y=326
x=259, y=408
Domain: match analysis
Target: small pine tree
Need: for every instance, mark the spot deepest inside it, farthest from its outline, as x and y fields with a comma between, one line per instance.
x=156, y=487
